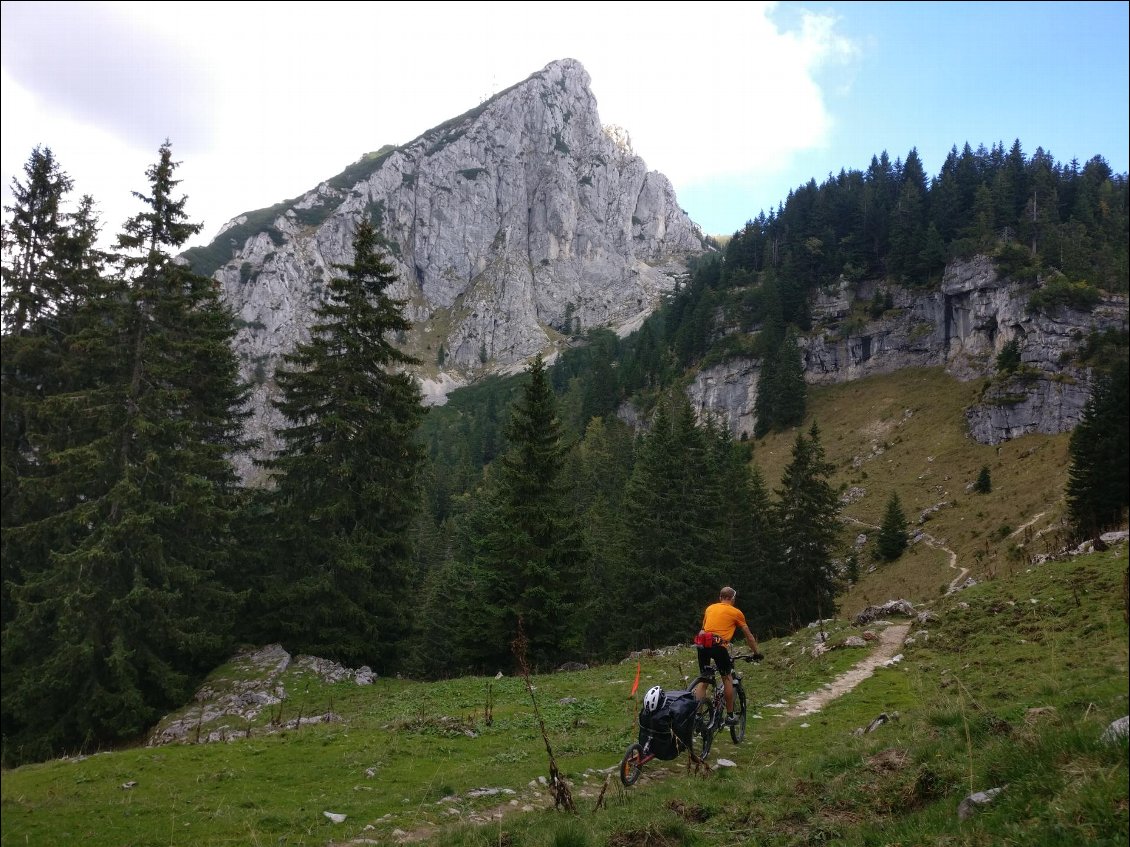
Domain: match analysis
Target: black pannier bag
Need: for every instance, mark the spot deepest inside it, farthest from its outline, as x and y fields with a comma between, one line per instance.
x=668, y=730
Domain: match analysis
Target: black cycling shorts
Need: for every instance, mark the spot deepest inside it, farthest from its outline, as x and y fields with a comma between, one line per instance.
x=721, y=656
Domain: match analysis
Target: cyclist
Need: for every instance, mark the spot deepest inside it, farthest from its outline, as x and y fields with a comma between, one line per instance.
x=719, y=622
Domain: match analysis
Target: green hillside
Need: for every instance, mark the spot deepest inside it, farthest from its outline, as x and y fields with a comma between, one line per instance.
x=407, y=760
x=905, y=433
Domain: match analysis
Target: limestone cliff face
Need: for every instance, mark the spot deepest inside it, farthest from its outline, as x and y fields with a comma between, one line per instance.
x=962, y=326
x=508, y=226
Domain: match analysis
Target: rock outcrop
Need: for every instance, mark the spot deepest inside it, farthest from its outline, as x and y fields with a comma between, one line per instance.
x=962, y=326
x=510, y=227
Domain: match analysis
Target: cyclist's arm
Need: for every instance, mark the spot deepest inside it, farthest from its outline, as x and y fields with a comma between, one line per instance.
x=750, y=638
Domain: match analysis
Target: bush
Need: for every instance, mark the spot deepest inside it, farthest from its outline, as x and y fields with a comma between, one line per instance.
x=1008, y=359
x=984, y=483
x=1015, y=261
x=1059, y=291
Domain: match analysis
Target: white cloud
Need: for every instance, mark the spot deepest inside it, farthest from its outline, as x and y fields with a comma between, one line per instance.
x=263, y=100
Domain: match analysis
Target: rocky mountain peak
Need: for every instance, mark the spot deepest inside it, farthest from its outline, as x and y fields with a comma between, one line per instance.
x=512, y=226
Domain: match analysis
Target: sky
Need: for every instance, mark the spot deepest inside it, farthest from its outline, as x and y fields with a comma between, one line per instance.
x=736, y=103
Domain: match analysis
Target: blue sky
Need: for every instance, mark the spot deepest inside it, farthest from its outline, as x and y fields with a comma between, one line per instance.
x=737, y=103
x=933, y=75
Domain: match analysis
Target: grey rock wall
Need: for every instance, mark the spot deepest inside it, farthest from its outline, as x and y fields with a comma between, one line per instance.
x=961, y=326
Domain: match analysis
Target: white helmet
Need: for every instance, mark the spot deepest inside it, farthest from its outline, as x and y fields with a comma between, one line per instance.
x=654, y=698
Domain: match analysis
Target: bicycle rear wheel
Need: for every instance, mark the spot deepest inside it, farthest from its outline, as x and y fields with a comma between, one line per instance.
x=737, y=731
x=631, y=766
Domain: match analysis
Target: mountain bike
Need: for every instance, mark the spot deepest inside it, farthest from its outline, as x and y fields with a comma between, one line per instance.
x=710, y=714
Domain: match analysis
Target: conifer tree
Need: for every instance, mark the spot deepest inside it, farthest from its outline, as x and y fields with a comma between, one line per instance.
x=126, y=605
x=892, y=532
x=1099, y=475
x=789, y=383
x=29, y=368
x=668, y=536
x=599, y=467
x=807, y=520
x=345, y=479
x=523, y=553
x=984, y=482
x=773, y=332
x=547, y=553
x=781, y=390
x=748, y=550
x=31, y=233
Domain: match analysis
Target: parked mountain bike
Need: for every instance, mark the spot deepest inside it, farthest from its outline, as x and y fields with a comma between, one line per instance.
x=710, y=714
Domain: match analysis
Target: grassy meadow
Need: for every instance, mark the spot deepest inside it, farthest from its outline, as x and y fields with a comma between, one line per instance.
x=1010, y=685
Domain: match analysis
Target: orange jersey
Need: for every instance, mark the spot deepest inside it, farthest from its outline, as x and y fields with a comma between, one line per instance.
x=723, y=619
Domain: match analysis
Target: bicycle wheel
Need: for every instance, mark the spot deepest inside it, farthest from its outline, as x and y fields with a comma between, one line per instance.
x=706, y=740
x=737, y=731
x=704, y=726
x=631, y=766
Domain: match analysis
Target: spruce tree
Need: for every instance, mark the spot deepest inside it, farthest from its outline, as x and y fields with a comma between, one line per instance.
x=31, y=234
x=547, y=555
x=984, y=482
x=1099, y=475
x=792, y=393
x=599, y=468
x=769, y=341
x=126, y=604
x=521, y=547
x=345, y=479
x=807, y=520
x=29, y=369
x=668, y=533
x=892, y=539
x=748, y=555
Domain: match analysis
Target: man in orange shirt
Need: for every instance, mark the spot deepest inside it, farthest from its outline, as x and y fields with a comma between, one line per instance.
x=721, y=620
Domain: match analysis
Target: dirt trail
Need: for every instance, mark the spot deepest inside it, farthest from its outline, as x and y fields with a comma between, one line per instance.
x=933, y=542
x=962, y=572
x=889, y=643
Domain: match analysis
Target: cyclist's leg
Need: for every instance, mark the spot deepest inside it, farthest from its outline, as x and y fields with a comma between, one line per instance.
x=726, y=669
x=703, y=660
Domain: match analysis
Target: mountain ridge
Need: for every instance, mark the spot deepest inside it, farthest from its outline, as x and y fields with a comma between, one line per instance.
x=511, y=226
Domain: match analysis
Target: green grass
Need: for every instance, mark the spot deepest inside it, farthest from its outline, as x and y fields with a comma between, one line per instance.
x=962, y=696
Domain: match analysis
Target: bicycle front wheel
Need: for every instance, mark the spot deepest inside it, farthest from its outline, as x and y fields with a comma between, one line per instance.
x=737, y=731
x=631, y=766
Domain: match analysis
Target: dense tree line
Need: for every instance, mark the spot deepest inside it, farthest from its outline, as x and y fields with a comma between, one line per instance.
x=891, y=222
x=121, y=406
x=134, y=561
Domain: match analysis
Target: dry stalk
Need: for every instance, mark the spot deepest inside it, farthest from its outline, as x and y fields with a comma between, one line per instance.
x=603, y=791
x=562, y=796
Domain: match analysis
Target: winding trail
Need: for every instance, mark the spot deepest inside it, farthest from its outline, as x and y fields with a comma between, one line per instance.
x=889, y=643
x=937, y=545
